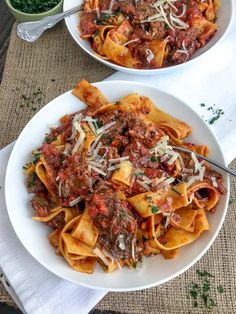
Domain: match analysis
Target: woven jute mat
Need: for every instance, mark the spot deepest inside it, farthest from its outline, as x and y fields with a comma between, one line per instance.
x=53, y=65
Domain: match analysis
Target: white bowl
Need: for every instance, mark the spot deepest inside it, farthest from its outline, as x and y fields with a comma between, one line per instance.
x=33, y=235
x=224, y=20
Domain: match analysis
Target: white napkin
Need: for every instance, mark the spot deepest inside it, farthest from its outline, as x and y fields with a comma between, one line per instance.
x=209, y=80
x=38, y=290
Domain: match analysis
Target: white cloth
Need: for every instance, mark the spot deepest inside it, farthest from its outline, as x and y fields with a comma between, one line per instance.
x=209, y=80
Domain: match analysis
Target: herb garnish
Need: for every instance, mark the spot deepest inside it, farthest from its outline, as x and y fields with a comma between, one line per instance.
x=153, y=158
x=139, y=174
x=33, y=100
x=154, y=209
x=203, y=273
x=201, y=292
x=217, y=113
x=102, y=19
x=220, y=289
x=36, y=157
x=32, y=180
x=36, y=6
x=230, y=201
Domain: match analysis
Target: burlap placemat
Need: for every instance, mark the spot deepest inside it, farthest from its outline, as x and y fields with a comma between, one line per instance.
x=35, y=74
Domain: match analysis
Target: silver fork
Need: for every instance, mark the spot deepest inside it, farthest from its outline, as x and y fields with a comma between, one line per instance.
x=217, y=164
x=31, y=31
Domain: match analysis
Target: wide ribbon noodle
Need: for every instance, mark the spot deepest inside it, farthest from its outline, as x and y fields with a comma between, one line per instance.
x=112, y=188
x=148, y=34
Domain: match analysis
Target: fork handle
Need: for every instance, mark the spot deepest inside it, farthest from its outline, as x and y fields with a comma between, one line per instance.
x=31, y=31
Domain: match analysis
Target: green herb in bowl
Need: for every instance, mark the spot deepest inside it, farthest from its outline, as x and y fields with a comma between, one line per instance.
x=34, y=6
x=34, y=10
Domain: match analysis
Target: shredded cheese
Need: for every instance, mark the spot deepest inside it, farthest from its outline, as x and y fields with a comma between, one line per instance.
x=146, y=187
x=59, y=188
x=183, y=12
x=113, y=168
x=105, y=127
x=102, y=257
x=98, y=170
x=173, y=159
x=131, y=41
x=108, y=255
x=150, y=55
x=121, y=242
x=115, y=160
x=76, y=201
x=133, y=249
x=197, y=165
x=80, y=139
x=214, y=182
x=169, y=180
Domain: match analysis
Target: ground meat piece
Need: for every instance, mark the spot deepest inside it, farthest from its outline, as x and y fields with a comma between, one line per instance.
x=179, y=57
x=87, y=25
x=140, y=156
x=41, y=204
x=158, y=30
x=114, y=220
x=141, y=33
x=57, y=222
x=188, y=37
x=209, y=173
x=126, y=7
x=34, y=184
x=192, y=9
x=143, y=10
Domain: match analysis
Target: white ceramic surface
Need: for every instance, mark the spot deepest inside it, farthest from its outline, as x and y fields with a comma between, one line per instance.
x=224, y=20
x=33, y=235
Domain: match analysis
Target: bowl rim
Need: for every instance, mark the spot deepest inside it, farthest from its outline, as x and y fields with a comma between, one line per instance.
x=151, y=71
x=153, y=284
x=8, y=2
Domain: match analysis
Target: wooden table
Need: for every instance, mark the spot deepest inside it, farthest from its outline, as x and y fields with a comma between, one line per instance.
x=6, y=22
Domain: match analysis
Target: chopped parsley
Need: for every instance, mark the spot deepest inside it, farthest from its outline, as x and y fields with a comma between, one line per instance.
x=36, y=157
x=216, y=113
x=154, y=209
x=144, y=238
x=220, y=289
x=99, y=123
x=153, y=158
x=201, y=292
x=203, y=273
x=32, y=179
x=231, y=201
x=35, y=6
x=50, y=140
x=139, y=174
x=103, y=17
x=33, y=100
x=96, y=33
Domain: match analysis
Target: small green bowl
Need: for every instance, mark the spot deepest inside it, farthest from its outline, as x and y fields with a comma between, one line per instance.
x=28, y=17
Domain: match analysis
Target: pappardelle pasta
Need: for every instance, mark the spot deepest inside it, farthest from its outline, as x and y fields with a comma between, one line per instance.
x=148, y=34
x=109, y=183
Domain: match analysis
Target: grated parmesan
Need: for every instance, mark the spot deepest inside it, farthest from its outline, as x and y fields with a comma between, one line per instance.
x=76, y=201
